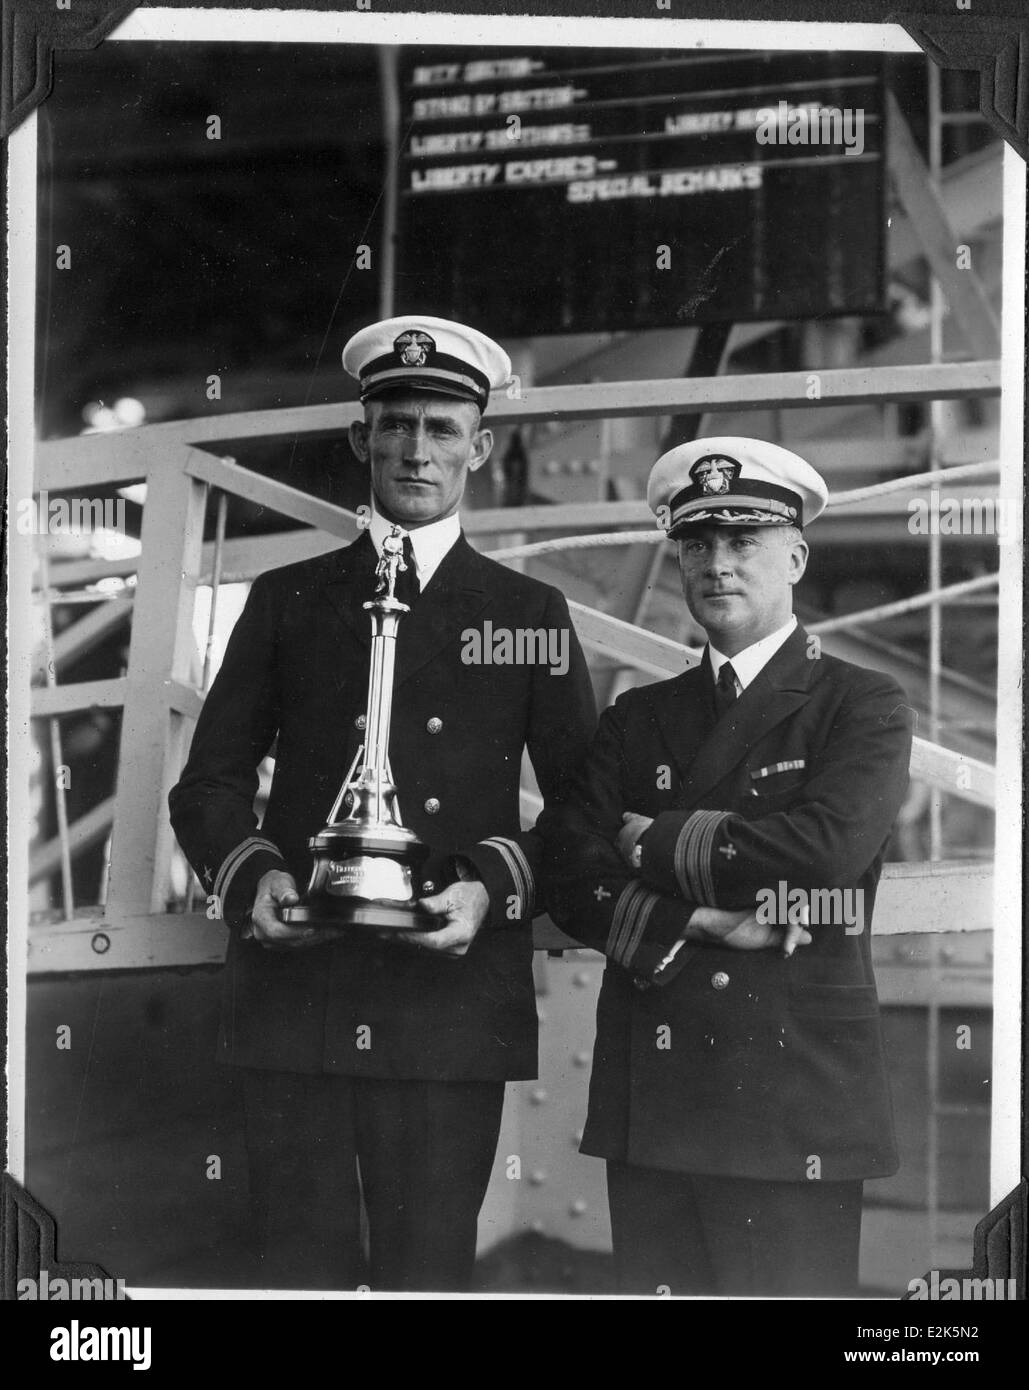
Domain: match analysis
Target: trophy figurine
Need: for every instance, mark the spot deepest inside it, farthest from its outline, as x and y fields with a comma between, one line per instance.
x=365, y=865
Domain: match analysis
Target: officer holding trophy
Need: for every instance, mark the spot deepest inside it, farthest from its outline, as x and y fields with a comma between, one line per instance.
x=368, y=1042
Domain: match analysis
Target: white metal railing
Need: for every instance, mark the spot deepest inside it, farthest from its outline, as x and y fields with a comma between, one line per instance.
x=160, y=702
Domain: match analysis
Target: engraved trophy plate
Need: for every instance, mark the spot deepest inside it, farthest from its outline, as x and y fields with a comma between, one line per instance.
x=366, y=866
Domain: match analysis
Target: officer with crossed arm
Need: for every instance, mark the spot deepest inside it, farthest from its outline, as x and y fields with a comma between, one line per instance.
x=739, y=1090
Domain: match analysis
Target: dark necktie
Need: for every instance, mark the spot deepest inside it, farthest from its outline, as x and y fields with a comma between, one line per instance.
x=725, y=688
x=407, y=587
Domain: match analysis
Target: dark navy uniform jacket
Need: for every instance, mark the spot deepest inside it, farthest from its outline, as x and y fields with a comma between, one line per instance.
x=296, y=674
x=721, y=1061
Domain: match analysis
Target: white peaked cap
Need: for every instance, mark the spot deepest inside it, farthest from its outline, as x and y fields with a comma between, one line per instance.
x=731, y=481
x=426, y=354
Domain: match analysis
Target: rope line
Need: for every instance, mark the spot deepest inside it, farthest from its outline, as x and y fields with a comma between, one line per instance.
x=842, y=499
x=904, y=605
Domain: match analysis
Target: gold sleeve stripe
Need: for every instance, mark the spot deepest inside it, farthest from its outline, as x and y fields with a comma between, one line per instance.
x=238, y=856
x=693, y=856
x=519, y=868
x=629, y=922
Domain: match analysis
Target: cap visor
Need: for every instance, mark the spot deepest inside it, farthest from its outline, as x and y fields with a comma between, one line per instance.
x=401, y=385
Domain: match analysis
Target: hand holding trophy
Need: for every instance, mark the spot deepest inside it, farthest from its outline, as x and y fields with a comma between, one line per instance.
x=365, y=865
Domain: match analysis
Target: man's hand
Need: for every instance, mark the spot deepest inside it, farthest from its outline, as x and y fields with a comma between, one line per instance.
x=743, y=932
x=276, y=890
x=462, y=908
x=633, y=826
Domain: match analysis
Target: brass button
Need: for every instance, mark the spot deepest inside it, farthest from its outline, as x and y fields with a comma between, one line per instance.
x=719, y=979
x=431, y=806
x=434, y=725
x=428, y=886
x=361, y=722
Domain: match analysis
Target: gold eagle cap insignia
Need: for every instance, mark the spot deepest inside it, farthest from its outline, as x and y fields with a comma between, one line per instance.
x=715, y=474
x=413, y=347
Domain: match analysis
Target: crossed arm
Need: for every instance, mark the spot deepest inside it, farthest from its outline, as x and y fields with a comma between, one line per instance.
x=695, y=875
x=595, y=892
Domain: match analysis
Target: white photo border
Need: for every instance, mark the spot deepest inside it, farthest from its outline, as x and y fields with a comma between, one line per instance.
x=373, y=28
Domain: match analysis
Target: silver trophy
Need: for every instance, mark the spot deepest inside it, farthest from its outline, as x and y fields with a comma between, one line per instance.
x=366, y=865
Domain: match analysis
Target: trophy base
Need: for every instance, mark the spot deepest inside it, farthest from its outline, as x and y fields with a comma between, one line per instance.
x=364, y=875
x=349, y=912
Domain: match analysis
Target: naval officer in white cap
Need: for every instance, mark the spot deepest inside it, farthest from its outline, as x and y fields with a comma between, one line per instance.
x=739, y=1091
x=358, y=1054
x=446, y=358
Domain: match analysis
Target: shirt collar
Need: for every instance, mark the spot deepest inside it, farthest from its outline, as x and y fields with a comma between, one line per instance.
x=751, y=660
x=430, y=543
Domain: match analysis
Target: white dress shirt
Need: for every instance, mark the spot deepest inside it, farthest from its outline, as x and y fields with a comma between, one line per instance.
x=430, y=543
x=748, y=663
